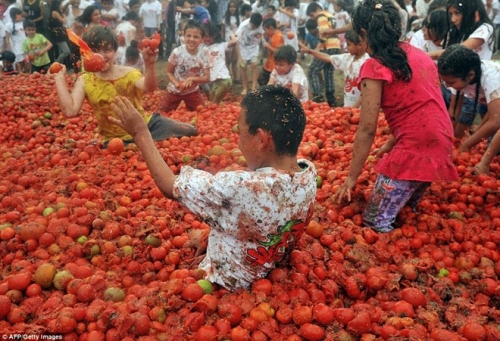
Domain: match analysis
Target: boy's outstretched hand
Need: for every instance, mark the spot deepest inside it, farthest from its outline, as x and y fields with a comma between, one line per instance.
x=128, y=117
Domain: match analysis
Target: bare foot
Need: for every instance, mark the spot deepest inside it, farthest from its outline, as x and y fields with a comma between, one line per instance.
x=482, y=169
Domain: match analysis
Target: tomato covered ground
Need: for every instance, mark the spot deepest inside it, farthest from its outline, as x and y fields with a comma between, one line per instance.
x=91, y=250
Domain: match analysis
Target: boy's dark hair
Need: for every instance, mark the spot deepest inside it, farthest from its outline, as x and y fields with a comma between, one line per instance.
x=381, y=21
x=277, y=110
x=196, y=25
x=27, y=23
x=131, y=16
x=287, y=53
x=311, y=24
x=352, y=36
x=341, y=4
x=100, y=36
x=227, y=16
x=132, y=3
x=256, y=19
x=313, y=7
x=270, y=22
x=436, y=23
x=290, y=3
x=244, y=9
x=469, y=10
x=458, y=61
x=132, y=51
x=8, y=56
x=212, y=31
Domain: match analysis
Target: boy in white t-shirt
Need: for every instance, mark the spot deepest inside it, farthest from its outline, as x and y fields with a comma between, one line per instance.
x=188, y=66
x=150, y=12
x=249, y=36
x=350, y=63
x=255, y=216
x=288, y=73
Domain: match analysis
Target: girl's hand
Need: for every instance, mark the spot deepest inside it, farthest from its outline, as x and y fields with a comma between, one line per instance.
x=344, y=190
x=304, y=48
x=129, y=119
x=59, y=74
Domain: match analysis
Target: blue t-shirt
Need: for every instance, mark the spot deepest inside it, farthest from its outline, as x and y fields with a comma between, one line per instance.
x=201, y=14
x=311, y=40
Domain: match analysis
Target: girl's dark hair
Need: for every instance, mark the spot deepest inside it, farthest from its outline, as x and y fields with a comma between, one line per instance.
x=14, y=11
x=56, y=6
x=196, y=25
x=352, y=36
x=277, y=110
x=381, y=23
x=99, y=36
x=287, y=53
x=244, y=8
x=468, y=9
x=458, y=61
x=227, y=16
x=86, y=17
x=131, y=16
x=132, y=51
x=212, y=31
x=436, y=23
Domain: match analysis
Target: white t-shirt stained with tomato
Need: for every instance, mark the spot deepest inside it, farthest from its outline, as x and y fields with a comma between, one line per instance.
x=295, y=76
x=187, y=65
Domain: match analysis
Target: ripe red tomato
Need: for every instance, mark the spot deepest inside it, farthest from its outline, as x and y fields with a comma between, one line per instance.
x=312, y=332
x=115, y=146
x=55, y=67
x=96, y=63
x=152, y=42
x=290, y=35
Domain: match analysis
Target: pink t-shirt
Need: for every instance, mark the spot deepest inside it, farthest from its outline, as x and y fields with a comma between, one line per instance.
x=417, y=116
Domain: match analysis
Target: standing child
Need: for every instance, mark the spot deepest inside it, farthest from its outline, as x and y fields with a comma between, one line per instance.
x=350, y=63
x=288, y=73
x=329, y=46
x=312, y=35
x=150, y=12
x=274, y=39
x=109, y=13
x=35, y=48
x=14, y=38
x=229, y=26
x=462, y=70
x=216, y=48
x=101, y=89
x=255, y=216
x=341, y=18
x=249, y=36
x=188, y=66
x=404, y=82
x=287, y=18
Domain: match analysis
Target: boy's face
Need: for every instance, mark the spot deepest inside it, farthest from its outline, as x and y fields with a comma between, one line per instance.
x=192, y=38
x=313, y=31
x=353, y=48
x=269, y=31
x=282, y=67
x=8, y=64
x=107, y=5
x=135, y=8
x=30, y=31
x=270, y=12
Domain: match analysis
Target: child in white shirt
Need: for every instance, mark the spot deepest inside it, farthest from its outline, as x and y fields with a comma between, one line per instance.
x=109, y=13
x=288, y=73
x=341, y=19
x=150, y=11
x=14, y=38
x=350, y=63
x=249, y=37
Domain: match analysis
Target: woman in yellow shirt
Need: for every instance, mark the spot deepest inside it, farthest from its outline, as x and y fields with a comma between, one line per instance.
x=102, y=88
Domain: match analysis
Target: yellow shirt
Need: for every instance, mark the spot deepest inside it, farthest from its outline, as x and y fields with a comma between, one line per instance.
x=101, y=93
x=324, y=23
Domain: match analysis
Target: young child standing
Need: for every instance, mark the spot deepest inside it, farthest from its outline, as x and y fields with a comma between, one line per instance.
x=250, y=230
x=230, y=24
x=287, y=18
x=404, y=82
x=288, y=73
x=188, y=66
x=35, y=48
x=150, y=12
x=274, y=39
x=350, y=63
x=249, y=37
x=462, y=70
x=341, y=19
x=216, y=48
x=113, y=81
x=329, y=46
x=14, y=37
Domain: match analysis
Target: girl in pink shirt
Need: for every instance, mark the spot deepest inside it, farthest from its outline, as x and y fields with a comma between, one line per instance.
x=403, y=81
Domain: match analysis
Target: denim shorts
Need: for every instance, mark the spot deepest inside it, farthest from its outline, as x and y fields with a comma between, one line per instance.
x=467, y=114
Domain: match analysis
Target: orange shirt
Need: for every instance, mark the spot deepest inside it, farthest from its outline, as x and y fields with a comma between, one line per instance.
x=324, y=23
x=276, y=40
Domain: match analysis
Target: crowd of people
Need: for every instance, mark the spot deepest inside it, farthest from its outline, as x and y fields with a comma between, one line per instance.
x=430, y=79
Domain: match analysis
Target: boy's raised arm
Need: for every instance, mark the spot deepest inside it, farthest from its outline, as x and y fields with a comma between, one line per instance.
x=133, y=123
x=149, y=82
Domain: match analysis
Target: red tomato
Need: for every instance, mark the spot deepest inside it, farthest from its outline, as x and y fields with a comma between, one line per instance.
x=96, y=63
x=312, y=332
x=55, y=67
